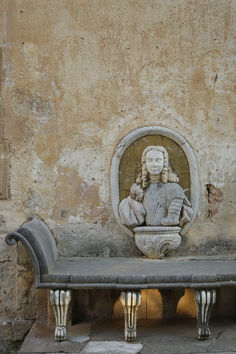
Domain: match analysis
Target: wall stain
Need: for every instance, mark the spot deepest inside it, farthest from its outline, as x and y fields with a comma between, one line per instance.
x=215, y=196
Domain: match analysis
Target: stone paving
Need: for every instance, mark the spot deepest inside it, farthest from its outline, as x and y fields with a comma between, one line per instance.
x=8, y=346
x=154, y=337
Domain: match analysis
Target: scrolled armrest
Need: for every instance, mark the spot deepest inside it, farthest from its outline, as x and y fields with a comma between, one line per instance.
x=12, y=238
x=39, y=242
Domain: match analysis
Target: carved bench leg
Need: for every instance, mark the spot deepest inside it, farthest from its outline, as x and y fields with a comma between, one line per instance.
x=131, y=300
x=205, y=300
x=60, y=300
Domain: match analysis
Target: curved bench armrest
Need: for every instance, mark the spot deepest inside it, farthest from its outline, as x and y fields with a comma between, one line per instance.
x=39, y=242
x=14, y=237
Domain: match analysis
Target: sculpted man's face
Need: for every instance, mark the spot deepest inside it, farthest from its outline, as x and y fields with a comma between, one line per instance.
x=154, y=162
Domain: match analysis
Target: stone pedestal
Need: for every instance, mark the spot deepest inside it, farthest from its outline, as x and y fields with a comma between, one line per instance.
x=157, y=241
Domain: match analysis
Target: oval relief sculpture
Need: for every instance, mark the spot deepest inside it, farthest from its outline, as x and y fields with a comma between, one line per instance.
x=157, y=209
x=156, y=199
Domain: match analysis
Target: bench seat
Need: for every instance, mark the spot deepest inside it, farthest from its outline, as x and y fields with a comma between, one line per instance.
x=140, y=273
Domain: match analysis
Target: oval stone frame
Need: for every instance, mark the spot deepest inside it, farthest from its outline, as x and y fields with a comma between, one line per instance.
x=126, y=142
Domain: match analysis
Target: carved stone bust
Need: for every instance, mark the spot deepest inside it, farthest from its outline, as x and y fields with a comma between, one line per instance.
x=156, y=198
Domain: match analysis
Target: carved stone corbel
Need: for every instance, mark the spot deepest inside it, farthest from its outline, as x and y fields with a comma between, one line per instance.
x=205, y=300
x=131, y=300
x=60, y=300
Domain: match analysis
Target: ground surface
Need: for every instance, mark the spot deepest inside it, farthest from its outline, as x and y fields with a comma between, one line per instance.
x=7, y=346
x=163, y=337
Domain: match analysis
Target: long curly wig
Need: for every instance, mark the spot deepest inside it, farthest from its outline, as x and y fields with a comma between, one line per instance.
x=167, y=174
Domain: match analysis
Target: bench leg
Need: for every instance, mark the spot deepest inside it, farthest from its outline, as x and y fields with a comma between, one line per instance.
x=60, y=300
x=131, y=300
x=205, y=300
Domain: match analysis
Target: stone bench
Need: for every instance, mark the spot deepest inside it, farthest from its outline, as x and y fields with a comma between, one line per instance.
x=130, y=275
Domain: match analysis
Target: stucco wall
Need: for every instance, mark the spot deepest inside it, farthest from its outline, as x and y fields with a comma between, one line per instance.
x=77, y=76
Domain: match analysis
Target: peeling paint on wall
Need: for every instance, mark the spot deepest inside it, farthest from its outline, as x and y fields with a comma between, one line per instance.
x=76, y=78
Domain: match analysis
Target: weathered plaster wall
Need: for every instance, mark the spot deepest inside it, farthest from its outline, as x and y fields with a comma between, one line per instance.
x=76, y=76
